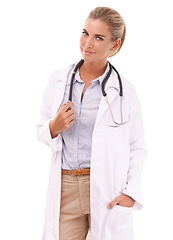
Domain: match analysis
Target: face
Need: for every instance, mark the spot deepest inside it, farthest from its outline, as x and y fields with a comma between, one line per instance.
x=95, y=41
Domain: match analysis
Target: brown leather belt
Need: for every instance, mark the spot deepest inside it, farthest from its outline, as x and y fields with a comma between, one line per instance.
x=77, y=172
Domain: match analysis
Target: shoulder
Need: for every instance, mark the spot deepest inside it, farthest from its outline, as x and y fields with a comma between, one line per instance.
x=128, y=86
x=61, y=75
x=130, y=93
x=57, y=79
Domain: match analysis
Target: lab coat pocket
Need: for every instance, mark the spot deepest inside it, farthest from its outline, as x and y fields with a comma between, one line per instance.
x=122, y=222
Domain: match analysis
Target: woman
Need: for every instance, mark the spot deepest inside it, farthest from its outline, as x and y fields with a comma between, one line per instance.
x=97, y=146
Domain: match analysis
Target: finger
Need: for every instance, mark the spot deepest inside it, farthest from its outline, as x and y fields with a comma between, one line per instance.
x=71, y=117
x=71, y=123
x=69, y=103
x=70, y=112
x=116, y=201
x=67, y=106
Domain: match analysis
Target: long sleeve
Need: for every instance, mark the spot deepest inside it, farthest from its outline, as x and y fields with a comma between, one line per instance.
x=46, y=115
x=137, y=151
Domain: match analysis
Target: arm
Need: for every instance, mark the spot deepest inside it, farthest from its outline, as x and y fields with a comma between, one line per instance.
x=132, y=194
x=50, y=127
x=137, y=151
x=42, y=128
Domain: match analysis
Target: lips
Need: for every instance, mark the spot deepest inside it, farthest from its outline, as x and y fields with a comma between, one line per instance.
x=86, y=52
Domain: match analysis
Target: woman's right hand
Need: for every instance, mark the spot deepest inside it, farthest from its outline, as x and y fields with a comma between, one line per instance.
x=63, y=120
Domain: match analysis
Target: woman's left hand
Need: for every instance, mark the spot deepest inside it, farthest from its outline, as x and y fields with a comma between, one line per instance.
x=123, y=200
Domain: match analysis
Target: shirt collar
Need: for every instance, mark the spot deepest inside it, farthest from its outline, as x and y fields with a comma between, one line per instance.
x=78, y=78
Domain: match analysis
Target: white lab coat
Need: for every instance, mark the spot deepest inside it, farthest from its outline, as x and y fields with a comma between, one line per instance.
x=116, y=160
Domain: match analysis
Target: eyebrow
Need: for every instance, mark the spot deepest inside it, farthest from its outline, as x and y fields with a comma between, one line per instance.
x=97, y=34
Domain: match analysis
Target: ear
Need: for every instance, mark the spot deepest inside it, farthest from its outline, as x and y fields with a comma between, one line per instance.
x=115, y=47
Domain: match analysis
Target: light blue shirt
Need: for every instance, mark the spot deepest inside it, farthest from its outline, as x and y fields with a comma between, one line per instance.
x=77, y=140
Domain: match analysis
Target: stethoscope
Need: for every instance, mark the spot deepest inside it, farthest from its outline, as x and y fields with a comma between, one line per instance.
x=78, y=65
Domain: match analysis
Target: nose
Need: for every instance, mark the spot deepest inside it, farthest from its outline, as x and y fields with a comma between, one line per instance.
x=89, y=43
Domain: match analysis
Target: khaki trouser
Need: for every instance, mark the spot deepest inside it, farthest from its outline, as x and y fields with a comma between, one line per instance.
x=75, y=218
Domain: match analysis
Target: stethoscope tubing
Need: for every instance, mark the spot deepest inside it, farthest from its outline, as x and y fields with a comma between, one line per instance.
x=79, y=64
x=72, y=79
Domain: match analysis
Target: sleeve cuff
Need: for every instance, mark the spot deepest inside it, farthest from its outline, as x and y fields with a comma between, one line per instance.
x=136, y=194
x=44, y=136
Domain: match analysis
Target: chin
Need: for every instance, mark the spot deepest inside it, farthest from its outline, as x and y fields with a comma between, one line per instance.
x=88, y=58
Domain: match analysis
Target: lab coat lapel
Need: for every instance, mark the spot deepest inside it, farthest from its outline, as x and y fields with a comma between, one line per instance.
x=60, y=85
x=59, y=96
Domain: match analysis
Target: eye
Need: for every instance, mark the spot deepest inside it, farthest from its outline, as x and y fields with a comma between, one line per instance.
x=85, y=33
x=100, y=38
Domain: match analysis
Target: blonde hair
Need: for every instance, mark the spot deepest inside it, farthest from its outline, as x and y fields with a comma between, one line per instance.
x=114, y=21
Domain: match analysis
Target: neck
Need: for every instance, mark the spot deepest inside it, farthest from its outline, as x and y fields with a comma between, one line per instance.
x=93, y=69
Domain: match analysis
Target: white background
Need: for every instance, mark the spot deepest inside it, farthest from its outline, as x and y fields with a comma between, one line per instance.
x=39, y=36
